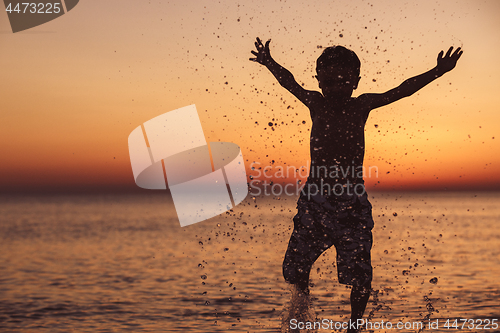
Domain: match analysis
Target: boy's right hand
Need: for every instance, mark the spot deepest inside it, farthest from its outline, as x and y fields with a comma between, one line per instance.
x=263, y=55
x=449, y=61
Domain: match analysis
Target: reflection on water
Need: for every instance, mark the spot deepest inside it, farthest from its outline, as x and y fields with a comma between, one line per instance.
x=122, y=263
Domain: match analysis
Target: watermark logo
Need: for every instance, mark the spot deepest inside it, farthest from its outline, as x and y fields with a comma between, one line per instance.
x=205, y=180
x=28, y=14
x=331, y=180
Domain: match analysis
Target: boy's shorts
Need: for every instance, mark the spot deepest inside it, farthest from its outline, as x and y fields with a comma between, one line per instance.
x=343, y=221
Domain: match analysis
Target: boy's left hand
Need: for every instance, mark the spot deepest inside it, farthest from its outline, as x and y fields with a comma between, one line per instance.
x=449, y=61
x=263, y=55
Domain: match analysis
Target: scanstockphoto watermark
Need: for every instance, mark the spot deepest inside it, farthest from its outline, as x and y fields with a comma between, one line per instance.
x=327, y=324
x=447, y=324
x=328, y=180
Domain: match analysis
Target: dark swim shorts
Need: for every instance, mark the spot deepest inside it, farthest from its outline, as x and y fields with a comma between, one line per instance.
x=343, y=221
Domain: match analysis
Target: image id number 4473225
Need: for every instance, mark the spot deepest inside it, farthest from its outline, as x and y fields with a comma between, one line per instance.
x=34, y=8
x=471, y=324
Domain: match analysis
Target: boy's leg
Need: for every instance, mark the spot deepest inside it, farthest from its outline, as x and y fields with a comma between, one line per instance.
x=359, y=300
x=307, y=243
x=354, y=268
x=354, y=257
x=303, y=250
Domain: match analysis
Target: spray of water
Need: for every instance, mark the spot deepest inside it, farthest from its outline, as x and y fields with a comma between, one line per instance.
x=299, y=308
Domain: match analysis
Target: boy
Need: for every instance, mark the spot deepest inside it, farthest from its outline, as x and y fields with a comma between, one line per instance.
x=333, y=208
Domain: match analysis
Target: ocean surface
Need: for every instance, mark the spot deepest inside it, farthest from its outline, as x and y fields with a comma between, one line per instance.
x=103, y=263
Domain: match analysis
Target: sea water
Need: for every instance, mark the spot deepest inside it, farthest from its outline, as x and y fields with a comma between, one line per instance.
x=118, y=263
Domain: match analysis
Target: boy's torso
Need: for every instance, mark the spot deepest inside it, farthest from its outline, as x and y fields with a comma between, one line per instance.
x=337, y=142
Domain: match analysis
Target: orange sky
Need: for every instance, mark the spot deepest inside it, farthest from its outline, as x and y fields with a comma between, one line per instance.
x=74, y=88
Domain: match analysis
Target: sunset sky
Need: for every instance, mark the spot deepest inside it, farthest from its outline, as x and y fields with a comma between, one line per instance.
x=73, y=89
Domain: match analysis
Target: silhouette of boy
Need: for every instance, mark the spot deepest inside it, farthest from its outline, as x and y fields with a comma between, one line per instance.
x=333, y=208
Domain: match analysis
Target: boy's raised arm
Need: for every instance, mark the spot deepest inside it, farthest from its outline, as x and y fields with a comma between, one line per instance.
x=284, y=77
x=412, y=85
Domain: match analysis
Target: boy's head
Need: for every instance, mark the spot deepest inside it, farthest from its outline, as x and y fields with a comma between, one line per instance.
x=338, y=72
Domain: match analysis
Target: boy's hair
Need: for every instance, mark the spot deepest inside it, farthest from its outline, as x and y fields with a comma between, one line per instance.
x=338, y=56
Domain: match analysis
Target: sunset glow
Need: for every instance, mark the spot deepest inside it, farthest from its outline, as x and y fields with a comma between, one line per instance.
x=73, y=89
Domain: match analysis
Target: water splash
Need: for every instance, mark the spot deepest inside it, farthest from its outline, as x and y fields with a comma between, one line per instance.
x=299, y=308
